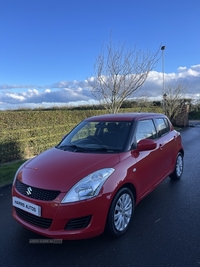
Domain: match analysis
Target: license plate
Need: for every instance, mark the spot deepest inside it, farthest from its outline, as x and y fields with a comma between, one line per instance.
x=26, y=206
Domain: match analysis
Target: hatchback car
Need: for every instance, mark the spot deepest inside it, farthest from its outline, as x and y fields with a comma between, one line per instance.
x=93, y=179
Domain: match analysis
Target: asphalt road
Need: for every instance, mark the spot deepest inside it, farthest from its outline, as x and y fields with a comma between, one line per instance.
x=165, y=231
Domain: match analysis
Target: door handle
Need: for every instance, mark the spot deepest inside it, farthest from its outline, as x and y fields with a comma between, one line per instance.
x=161, y=146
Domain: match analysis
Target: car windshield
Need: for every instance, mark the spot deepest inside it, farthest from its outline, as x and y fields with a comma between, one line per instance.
x=97, y=136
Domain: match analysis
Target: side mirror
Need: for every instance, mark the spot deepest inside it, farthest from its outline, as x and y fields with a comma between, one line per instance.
x=146, y=144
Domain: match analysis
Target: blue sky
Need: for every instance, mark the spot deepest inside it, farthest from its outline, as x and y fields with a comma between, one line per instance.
x=48, y=47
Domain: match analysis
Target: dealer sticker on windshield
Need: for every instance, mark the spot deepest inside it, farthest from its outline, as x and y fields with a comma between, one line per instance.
x=27, y=206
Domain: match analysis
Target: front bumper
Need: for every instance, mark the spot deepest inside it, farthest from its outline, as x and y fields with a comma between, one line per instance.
x=78, y=220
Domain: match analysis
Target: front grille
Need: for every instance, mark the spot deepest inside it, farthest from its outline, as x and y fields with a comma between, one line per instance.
x=78, y=223
x=32, y=219
x=36, y=193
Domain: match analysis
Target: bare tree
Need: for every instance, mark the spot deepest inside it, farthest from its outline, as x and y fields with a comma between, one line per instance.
x=175, y=99
x=119, y=73
x=144, y=103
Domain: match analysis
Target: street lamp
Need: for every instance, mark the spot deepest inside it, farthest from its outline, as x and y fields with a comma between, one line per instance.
x=162, y=49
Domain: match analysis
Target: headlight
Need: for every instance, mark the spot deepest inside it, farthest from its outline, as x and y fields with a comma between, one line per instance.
x=88, y=187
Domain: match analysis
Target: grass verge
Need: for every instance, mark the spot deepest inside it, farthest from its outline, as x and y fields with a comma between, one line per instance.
x=7, y=172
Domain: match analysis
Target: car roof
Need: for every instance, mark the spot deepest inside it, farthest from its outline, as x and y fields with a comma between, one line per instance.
x=125, y=116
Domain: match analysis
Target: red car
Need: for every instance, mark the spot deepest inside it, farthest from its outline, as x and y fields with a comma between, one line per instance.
x=98, y=173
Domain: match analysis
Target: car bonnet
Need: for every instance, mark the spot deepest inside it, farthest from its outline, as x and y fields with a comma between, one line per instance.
x=56, y=169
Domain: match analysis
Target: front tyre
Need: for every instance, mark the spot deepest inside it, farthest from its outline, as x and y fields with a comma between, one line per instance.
x=178, y=170
x=120, y=213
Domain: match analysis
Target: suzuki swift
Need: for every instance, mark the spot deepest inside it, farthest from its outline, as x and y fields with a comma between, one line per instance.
x=93, y=179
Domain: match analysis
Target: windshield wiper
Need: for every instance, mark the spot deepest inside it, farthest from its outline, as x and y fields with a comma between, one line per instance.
x=76, y=148
x=87, y=149
x=106, y=148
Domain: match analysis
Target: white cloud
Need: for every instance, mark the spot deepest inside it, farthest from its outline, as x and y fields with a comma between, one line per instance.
x=15, y=97
x=75, y=92
x=182, y=68
x=193, y=71
x=196, y=67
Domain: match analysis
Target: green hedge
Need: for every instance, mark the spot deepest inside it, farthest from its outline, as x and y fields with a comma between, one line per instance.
x=26, y=133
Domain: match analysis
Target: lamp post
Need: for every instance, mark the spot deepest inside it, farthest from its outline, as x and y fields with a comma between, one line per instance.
x=165, y=103
x=162, y=49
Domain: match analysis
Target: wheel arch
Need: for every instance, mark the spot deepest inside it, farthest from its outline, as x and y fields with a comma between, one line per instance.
x=181, y=151
x=131, y=187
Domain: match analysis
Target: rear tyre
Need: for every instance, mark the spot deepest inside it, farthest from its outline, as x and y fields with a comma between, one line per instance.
x=178, y=170
x=120, y=213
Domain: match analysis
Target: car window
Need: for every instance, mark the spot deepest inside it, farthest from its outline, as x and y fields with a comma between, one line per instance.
x=88, y=130
x=162, y=126
x=115, y=134
x=104, y=134
x=145, y=130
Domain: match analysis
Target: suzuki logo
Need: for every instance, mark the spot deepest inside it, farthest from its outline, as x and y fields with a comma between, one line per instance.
x=28, y=191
